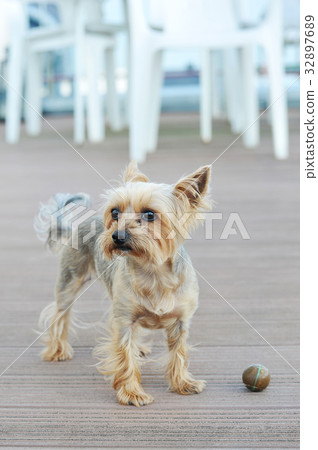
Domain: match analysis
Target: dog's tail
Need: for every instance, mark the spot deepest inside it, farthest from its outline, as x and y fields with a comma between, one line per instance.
x=52, y=223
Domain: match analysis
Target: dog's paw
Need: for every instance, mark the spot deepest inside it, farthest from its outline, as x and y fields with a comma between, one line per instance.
x=133, y=398
x=62, y=353
x=189, y=387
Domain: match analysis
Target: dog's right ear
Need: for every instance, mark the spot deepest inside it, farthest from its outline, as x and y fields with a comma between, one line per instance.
x=133, y=174
x=194, y=187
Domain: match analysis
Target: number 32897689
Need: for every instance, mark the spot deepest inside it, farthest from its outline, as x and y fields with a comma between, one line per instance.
x=309, y=45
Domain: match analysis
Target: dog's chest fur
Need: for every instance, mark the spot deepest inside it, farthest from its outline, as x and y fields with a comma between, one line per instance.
x=153, y=296
x=156, y=288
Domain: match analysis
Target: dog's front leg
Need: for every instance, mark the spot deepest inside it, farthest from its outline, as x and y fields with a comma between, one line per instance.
x=181, y=380
x=123, y=364
x=127, y=372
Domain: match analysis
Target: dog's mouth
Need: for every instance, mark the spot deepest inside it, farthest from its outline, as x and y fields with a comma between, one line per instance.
x=123, y=248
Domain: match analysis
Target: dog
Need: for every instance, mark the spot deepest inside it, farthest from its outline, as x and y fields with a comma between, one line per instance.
x=137, y=252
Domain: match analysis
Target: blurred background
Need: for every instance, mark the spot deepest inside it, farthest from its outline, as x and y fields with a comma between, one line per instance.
x=181, y=69
x=51, y=32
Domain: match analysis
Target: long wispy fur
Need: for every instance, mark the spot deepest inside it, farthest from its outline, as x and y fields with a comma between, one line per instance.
x=47, y=222
x=148, y=275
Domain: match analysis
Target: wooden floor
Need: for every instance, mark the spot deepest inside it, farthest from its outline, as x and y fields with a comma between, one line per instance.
x=69, y=404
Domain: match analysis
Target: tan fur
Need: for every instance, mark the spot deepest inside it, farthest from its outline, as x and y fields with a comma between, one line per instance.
x=58, y=348
x=152, y=285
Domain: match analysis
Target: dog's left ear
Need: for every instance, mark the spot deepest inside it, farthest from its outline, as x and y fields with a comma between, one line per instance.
x=194, y=186
x=133, y=174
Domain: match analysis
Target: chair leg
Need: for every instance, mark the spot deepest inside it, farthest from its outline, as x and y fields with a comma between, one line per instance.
x=154, y=105
x=112, y=98
x=251, y=133
x=237, y=122
x=14, y=90
x=234, y=102
x=228, y=83
x=126, y=114
x=126, y=102
x=278, y=102
x=205, y=97
x=140, y=69
x=33, y=110
x=95, y=109
x=79, y=104
x=216, y=101
x=79, y=72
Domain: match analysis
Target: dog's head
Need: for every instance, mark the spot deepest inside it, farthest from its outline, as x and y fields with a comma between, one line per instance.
x=149, y=220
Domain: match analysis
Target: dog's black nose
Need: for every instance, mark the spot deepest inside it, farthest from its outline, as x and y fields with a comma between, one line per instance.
x=120, y=237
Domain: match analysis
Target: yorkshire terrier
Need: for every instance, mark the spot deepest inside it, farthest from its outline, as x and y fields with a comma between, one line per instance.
x=137, y=251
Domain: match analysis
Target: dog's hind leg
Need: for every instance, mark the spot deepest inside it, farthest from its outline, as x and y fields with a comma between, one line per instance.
x=56, y=317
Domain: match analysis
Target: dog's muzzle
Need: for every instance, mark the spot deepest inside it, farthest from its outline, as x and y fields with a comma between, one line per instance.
x=120, y=238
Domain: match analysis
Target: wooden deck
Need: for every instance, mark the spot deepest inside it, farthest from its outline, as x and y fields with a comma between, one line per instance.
x=69, y=404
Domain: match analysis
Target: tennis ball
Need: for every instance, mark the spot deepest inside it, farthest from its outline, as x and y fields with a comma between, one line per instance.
x=256, y=377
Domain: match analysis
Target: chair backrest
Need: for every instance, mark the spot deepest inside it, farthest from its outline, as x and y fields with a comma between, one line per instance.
x=197, y=18
x=178, y=16
x=154, y=11
x=250, y=13
x=198, y=15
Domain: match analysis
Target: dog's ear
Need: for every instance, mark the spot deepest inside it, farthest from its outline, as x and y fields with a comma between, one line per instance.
x=133, y=174
x=194, y=187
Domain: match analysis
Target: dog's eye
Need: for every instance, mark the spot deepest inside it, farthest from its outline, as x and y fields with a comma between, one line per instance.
x=115, y=213
x=148, y=216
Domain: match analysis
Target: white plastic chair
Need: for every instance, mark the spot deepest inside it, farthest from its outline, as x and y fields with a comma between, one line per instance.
x=205, y=25
x=76, y=28
x=3, y=30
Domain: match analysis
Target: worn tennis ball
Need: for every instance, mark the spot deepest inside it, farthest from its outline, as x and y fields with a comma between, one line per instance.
x=256, y=377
